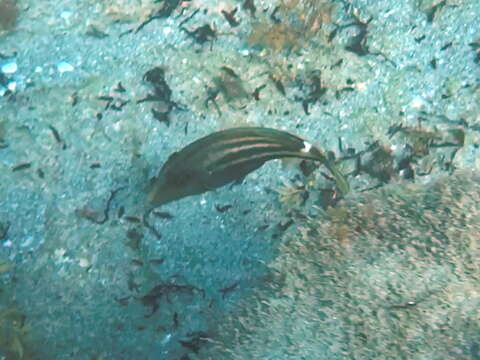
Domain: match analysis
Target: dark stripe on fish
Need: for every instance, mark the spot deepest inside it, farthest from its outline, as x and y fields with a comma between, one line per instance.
x=245, y=147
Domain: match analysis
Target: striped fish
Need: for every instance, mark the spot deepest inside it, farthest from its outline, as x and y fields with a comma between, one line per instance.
x=227, y=156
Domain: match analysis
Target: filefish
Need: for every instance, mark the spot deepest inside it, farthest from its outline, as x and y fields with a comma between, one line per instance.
x=227, y=156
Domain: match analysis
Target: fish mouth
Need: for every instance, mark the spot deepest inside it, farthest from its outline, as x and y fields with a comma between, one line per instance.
x=156, y=192
x=159, y=196
x=162, y=192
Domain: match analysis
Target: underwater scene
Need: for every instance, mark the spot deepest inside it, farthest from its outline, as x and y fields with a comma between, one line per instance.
x=239, y=179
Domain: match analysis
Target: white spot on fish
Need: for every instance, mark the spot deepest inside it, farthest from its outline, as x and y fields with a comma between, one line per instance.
x=306, y=147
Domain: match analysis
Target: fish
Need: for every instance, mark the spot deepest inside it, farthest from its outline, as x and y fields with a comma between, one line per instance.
x=227, y=156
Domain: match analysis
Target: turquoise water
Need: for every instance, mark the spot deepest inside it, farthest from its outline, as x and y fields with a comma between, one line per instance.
x=281, y=265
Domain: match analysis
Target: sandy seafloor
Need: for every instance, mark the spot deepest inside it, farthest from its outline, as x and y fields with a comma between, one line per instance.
x=396, y=81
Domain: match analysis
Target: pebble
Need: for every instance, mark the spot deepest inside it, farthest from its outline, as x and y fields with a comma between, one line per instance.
x=64, y=66
x=9, y=68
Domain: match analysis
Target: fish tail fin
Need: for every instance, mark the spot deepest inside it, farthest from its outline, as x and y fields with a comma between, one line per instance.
x=340, y=179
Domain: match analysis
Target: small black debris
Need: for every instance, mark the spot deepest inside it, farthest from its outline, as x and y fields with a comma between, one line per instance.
x=230, y=17
x=202, y=34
